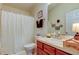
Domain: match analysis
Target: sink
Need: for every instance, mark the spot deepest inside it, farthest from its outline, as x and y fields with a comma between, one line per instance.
x=56, y=42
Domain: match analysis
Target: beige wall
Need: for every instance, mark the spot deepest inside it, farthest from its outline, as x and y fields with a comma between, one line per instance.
x=16, y=10
x=59, y=12
x=41, y=6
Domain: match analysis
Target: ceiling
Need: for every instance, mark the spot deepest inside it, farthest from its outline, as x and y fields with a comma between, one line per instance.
x=23, y=6
x=29, y=6
x=52, y=5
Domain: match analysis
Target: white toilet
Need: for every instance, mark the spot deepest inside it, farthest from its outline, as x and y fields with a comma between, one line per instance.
x=29, y=48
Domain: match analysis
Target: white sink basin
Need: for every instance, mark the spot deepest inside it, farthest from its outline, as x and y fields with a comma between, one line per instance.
x=57, y=42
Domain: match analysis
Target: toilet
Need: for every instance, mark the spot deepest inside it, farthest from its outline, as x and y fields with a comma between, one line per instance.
x=29, y=48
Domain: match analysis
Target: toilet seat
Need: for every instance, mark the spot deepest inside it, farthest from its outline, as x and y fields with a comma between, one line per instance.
x=31, y=45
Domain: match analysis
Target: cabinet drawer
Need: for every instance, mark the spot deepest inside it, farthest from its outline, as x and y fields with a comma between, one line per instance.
x=50, y=50
x=59, y=52
x=41, y=52
x=39, y=45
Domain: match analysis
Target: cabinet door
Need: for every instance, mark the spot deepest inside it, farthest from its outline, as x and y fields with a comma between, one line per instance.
x=39, y=45
x=41, y=52
x=50, y=50
x=59, y=52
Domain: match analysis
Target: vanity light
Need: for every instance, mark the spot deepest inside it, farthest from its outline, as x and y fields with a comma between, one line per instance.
x=75, y=28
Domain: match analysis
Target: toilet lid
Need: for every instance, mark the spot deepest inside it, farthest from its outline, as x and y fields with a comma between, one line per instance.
x=30, y=45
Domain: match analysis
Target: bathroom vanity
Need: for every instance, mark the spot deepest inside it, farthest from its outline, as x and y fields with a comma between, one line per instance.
x=53, y=46
x=45, y=49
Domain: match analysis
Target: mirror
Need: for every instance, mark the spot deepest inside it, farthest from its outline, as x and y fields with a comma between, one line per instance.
x=55, y=21
x=63, y=14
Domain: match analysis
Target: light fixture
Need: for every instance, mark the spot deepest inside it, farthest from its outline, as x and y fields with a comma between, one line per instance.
x=49, y=3
x=75, y=28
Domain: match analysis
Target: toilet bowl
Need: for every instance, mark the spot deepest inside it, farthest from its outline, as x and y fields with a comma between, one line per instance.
x=29, y=48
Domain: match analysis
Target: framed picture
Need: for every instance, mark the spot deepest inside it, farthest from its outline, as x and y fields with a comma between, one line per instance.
x=40, y=14
x=39, y=23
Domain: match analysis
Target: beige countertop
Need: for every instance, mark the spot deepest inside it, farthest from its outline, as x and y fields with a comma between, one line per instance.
x=57, y=43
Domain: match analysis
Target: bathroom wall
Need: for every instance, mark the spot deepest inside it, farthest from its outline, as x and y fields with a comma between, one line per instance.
x=0, y=24
x=58, y=12
x=44, y=7
x=14, y=9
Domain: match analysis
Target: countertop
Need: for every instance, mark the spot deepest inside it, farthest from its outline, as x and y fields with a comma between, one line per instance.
x=58, y=43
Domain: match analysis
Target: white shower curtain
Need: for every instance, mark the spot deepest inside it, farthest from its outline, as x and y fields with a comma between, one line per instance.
x=17, y=30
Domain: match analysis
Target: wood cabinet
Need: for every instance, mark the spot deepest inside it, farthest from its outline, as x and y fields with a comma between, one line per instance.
x=50, y=50
x=40, y=48
x=44, y=49
x=41, y=52
x=60, y=52
x=39, y=45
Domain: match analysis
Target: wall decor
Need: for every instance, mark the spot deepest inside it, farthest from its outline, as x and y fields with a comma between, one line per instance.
x=40, y=14
x=40, y=20
x=58, y=25
x=39, y=23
